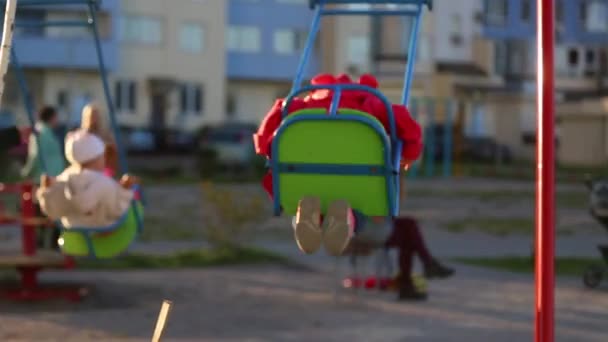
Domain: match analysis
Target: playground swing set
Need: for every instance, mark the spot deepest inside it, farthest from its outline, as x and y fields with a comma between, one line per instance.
x=353, y=157
x=86, y=242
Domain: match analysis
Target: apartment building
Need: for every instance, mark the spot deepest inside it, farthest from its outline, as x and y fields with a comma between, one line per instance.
x=172, y=63
x=580, y=61
x=264, y=42
x=165, y=59
x=60, y=63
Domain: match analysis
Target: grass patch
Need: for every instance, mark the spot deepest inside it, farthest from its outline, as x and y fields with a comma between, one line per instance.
x=492, y=225
x=563, y=266
x=163, y=228
x=499, y=226
x=564, y=199
x=188, y=259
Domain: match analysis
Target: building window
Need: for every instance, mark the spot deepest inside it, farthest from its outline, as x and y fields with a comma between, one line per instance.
x=230, y=105
x=30, y=16
x=62, y=99
x=125, y=96
x=456, y=36
x=142, y=30
x=192, y=38
x=526, y=10
x=594, y=15
x=191, y=99
x=500, y=57
x=288, y=41
x=496, y=12
x=358, y=52
x=244, y=39
x=573, y=57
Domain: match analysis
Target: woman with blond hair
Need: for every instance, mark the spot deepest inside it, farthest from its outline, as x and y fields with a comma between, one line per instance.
x=93, y=122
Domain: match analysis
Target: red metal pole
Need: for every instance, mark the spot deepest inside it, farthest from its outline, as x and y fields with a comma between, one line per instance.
x=545, y=174
x=28, y=211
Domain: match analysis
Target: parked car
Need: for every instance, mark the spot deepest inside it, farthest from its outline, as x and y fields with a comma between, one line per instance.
x=138, y=140
x=231, y=143
x=181, y=141
x=485, y=149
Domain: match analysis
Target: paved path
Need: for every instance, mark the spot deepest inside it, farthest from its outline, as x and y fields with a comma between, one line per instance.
x=276, y=304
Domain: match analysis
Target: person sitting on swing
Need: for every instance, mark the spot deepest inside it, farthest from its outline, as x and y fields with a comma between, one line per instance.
x=82, y=195
x=341, y=221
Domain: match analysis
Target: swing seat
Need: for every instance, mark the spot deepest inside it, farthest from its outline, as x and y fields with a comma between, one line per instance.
x=346, y=156
x=104, y=242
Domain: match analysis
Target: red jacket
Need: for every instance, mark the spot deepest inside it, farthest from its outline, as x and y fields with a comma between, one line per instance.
x=408, y=129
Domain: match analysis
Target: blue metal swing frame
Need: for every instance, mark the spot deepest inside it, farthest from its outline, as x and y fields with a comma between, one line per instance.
x=392, y=146
x=91, y=23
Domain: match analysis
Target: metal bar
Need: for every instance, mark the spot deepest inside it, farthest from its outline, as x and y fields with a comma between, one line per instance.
x=429, y=167
x=62, y=23
x=28, y=232
x=333, y=109
x=314, y=29
x=122, y=158
x=447, y=138
x=28, y=103
x=333, y=169
x=545, y=174
x=411, y=58
x=373, y=12
x=413, y=172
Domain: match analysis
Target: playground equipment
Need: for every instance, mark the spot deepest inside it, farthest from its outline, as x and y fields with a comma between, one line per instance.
x=341, y=154
x=346, y=154
x=98, y=242
x=30, y=262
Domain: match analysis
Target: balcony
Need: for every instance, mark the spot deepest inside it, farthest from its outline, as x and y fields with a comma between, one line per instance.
x=65, y=47
x=48, y=52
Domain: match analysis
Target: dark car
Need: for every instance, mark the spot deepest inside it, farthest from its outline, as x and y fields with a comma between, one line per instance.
x=231, y=143
x=485, y=149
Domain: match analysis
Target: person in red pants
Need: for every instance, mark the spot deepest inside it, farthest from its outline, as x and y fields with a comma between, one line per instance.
x=407, y=238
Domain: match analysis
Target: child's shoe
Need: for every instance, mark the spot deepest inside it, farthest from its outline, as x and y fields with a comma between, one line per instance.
x=337, y=232
x=307, y=225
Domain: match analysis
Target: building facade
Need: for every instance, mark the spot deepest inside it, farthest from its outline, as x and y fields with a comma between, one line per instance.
x=172, y=63
x=60, y=63
x=264, y=43
x=580, y=60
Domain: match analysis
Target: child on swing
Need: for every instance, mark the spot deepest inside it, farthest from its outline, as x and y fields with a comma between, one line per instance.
x=335, y=230
x=82, y=195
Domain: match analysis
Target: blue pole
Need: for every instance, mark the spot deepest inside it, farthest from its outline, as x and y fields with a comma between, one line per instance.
x=413, y=173
x=314, y=29
x=411, y=56
x=106, y=90
x=430, y=129
x=447, y=139
x=29, y=104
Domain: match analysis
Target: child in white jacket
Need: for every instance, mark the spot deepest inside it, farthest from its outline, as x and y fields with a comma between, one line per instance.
x=82, y=196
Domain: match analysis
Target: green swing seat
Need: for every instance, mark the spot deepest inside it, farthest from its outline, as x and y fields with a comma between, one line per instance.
x=339, y=157
x=106, y=242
